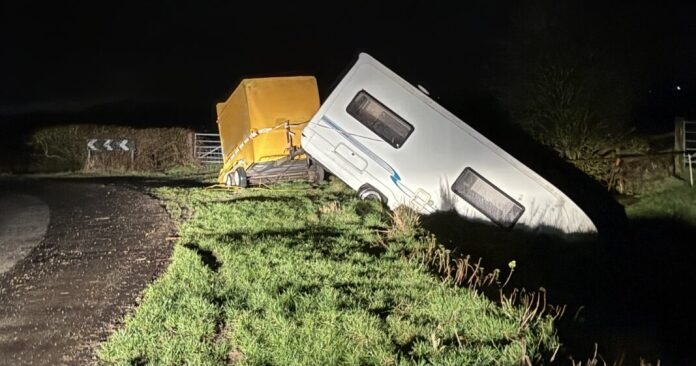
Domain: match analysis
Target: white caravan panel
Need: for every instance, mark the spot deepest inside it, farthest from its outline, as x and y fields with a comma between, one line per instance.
x=376, y=129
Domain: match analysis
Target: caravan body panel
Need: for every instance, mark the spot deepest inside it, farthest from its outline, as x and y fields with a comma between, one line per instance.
x=377, y=129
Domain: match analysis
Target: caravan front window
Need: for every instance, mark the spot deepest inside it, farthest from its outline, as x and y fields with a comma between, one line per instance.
x=487, y=198
x=380, y=119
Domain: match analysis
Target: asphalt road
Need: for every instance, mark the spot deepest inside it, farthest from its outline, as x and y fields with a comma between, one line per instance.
x=23, y=224
x=75, y=257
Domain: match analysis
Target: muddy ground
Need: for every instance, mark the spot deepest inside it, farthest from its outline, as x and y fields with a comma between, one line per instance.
x=104, y=244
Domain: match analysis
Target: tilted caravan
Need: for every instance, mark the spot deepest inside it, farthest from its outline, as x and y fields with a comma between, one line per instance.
x=389, y=140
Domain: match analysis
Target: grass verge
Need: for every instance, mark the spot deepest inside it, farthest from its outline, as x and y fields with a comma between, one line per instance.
x=675, y=201
x=299, y=275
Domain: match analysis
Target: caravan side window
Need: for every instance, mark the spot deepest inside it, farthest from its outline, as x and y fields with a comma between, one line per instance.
x=380, y=119
x=487, y=198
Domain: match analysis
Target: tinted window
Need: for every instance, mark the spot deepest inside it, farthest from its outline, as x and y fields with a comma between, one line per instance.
x=487, y=198
x=380, y=119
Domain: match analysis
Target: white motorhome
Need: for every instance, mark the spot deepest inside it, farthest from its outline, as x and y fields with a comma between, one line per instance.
x=390, y=141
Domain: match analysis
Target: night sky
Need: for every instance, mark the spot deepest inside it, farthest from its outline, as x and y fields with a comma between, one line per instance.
x=168, y=63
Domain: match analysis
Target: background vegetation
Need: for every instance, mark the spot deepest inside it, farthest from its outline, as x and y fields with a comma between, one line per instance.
x=580, y=96
x=64, y=148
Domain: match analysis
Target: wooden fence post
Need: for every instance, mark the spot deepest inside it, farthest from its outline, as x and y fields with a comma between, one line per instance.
x=192, y=144
x=679, y=144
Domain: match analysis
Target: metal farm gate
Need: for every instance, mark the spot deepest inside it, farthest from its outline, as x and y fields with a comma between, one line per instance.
x=685, y=148
x=207, y=148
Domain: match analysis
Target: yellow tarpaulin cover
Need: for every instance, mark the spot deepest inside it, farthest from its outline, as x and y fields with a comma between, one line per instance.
x=252, y=120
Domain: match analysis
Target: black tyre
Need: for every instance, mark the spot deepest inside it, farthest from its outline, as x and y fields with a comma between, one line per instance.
x=319, y=173
x=237, y=178
x=368, y=192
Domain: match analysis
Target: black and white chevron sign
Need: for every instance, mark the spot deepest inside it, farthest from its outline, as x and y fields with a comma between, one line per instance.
x=110, y=145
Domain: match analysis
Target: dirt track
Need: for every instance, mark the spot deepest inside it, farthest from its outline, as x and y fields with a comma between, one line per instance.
x=104, y=244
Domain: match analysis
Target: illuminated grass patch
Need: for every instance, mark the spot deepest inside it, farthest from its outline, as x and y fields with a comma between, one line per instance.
x=297, y=275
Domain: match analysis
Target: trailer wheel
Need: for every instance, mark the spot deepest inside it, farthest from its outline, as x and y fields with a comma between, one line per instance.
x=237, y=178
x=368, y=192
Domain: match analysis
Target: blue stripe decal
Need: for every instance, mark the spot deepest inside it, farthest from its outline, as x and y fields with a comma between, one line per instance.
x=394, y=175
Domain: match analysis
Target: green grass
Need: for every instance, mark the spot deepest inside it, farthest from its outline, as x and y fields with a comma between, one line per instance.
x=300, y=275
x=675, y=201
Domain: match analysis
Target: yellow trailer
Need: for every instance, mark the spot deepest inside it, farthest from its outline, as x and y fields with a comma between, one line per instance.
x=260, y=127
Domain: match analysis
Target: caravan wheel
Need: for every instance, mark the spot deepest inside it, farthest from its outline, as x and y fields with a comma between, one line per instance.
x=319, y=173
x=237, y=178
x=368, y=192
